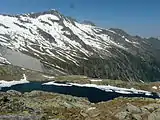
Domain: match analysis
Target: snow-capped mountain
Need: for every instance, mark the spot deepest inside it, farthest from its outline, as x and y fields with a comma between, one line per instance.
x=65, y=46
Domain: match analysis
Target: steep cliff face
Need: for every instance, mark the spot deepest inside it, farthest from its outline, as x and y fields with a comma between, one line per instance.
x=65, y=46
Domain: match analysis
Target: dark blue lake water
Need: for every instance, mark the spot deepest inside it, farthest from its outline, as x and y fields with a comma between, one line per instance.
x=93, y=94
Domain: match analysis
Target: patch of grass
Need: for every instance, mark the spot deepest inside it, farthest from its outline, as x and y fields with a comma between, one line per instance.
x=73, y=78
x=9, y=72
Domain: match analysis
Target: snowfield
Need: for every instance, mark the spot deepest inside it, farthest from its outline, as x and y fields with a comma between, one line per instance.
x=46, y=32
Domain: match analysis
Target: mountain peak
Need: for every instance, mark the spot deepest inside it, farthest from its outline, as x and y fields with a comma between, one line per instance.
x=64, y=46
x=37, y=14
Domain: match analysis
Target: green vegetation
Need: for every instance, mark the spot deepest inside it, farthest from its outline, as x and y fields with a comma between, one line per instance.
x=9, y=72
x=73, y=78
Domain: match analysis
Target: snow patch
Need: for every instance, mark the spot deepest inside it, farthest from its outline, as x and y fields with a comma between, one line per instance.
x=11, y=83
x=4, y=60
x=155, y=87
x=56, y=84
x=46, y=17
x=50, y=77
x=141, y=81
x=106, y=88
x=23, y=68
x=95, y=80
x=91, y=108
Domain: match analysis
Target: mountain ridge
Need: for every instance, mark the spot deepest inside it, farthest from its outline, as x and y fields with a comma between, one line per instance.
x=68, y=47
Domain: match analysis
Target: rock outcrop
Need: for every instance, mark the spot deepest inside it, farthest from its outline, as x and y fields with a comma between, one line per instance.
x=39, y=105
x=147, y=112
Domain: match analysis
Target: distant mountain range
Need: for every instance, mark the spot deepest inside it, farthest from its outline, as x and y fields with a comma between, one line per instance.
x=64, y=46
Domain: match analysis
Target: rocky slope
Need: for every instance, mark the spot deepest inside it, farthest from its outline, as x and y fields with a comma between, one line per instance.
x=38, y=105
x=65, y=46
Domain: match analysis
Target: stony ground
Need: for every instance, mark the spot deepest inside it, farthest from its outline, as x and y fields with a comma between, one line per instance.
x=38, y=105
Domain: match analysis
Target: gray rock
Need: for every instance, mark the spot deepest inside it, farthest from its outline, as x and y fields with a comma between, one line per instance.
x=154, y=116
x=122, y=115
x=133, y=109
x=2, y=93
x=152, y=107
x=33, y=93
x=158, y=110
x=145, y=110
x=136, y=117
x=83, y=114
x=14, y=93
x=18, y=117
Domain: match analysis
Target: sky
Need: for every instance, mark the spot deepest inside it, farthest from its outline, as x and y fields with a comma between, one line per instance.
x=137, y=17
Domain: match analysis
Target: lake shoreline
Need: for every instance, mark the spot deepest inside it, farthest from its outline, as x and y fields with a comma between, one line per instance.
x=94, y=93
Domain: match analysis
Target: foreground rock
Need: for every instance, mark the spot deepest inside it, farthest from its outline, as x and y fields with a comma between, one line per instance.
x=38, y=105
x=147, y=112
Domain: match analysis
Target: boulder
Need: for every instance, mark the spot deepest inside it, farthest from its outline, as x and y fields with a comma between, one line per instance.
x=152, y=107
x=133, y=109
x=14, y=93
x=154, y=116
x=136, y=117
x=122, y=115
x=145, y=110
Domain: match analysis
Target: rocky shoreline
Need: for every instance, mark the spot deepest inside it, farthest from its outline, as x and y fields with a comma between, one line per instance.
x=39, y=105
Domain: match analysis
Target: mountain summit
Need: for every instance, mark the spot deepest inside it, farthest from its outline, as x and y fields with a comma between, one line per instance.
x=64, y=46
